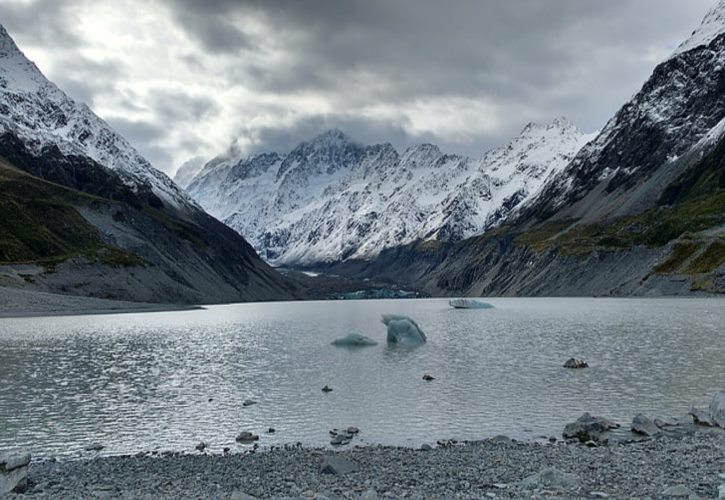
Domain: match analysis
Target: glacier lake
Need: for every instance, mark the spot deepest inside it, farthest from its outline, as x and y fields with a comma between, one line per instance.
x=168, y=380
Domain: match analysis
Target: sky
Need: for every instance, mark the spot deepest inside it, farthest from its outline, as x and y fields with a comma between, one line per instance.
x=185, y=78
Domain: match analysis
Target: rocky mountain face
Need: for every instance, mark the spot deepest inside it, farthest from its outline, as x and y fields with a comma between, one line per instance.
x=331, y=199
x=84, y=213
x=639, y=210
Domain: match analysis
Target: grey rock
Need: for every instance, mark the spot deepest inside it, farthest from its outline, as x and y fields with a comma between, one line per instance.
x=428, y=378
x=575, y=363
x=668, y=422
x=700, y=417
x=717, y=409
x=14, y=472
x=678, y=491
x=340, y=439
x=353, y=430
x=201, y=446
x=598, y=494
x=249, y=402
x=333, y=464
x=370, y=494
x=327, y=388
x=721, y=492
x=94, y=447
x=551, y=478
x=589, y=428
x=426, y=446
x=240, y=495
x=644, y=425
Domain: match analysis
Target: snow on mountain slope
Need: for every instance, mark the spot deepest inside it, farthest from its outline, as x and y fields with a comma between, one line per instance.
x=188, y=170
x=713, y=25
x=42, y=115
x=331, y=199
x=680, y=103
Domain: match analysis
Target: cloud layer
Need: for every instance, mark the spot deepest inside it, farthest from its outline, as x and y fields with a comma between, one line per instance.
x=181, y=78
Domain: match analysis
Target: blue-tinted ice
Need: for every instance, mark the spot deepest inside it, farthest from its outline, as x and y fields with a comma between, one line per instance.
x=403, y=330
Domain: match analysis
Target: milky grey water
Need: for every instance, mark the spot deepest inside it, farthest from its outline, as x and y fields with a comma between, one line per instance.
x=143, y=381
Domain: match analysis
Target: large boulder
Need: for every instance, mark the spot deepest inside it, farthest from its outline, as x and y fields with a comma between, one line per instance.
x=717, y=409
x=588, y=428
x=13, y=472
x=403, y=330
x=334, y=464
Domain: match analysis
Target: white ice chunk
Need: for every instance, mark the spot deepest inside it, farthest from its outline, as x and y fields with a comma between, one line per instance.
x=469, y=304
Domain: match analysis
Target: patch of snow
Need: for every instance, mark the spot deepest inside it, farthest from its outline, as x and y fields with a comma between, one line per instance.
x=713, y=25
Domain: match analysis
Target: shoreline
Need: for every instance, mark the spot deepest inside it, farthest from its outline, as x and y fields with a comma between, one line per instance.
x=19, y=303
x=493, y=468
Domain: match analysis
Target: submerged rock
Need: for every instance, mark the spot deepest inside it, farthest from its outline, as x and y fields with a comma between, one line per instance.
x=13, y=472
x=717, y=409
x=588, y=428
x=575, y=363
x=354, y=340
x=644, y=425
x=469, y=304
x=403, y=330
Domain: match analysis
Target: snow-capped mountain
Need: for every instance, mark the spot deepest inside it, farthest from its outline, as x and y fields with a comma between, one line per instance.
x=332, y=199
x=41, y=115
x=681, y=103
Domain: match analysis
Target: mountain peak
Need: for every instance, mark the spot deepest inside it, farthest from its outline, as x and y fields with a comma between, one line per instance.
x=713, y=25
x=17, y=72
x=561, y=123
x=331, y=137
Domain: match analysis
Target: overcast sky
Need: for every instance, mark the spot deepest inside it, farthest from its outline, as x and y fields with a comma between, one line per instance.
x=181, y=78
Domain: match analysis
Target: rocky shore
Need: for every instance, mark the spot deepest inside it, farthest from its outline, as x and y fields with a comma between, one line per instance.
x=670, y=465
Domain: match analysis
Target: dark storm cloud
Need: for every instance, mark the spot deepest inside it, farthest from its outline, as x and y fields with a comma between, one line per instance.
x=282, y=139
x=464, y=74
x=46, y=21
x=572, y=57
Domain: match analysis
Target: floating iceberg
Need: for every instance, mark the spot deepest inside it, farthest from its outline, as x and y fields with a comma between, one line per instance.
x=403, y=330
x=469, y=304
x=354, y=340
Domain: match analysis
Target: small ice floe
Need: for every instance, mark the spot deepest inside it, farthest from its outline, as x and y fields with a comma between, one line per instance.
x=354, y=340
x=469, y=304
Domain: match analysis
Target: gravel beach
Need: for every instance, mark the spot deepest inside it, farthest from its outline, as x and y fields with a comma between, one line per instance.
x=28, y=303
x=685, y=465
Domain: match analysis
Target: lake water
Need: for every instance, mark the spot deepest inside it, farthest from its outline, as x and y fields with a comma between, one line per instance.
x=143, y=381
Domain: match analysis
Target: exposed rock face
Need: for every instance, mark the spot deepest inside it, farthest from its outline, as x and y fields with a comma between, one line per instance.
x=13, y=472
x=575, y=363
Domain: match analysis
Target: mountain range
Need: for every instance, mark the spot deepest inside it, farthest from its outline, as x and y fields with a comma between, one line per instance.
x=635, y=209
x=331, y=199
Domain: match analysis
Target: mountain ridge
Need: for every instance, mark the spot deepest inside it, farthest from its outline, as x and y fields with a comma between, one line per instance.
x=332, y=198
